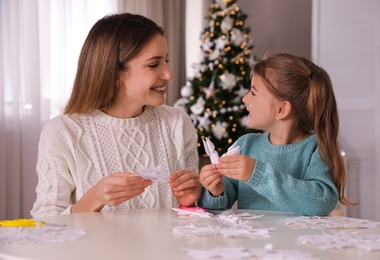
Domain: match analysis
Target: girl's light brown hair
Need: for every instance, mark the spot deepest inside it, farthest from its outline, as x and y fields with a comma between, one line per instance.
x=111, y=43
x=309, y=90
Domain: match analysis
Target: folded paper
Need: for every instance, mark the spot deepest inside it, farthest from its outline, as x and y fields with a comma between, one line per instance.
x=155, y=174
x=213, y=154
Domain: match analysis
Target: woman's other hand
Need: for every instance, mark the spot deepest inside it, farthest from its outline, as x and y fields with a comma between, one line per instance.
x=185, y=186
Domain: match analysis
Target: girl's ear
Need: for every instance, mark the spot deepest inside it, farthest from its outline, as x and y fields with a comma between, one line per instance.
x=284, y=110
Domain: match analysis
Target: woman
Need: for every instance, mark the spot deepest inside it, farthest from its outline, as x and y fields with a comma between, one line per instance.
x=114, y=125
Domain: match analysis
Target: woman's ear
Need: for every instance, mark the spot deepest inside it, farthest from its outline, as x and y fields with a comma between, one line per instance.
x=284, y=110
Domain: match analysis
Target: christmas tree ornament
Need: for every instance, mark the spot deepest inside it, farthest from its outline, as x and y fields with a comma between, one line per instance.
x=204, y=122
x=228, y=81
x=237, y=37
x=226, y=24
x=187, y=91
x=198, y=107
x=181, y=103
x=219, y=130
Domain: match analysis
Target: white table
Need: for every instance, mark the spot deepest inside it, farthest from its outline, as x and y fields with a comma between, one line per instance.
x=147, y=234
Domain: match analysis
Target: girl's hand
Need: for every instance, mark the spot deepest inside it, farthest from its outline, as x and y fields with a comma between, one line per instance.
x=212, y=180
x=185, y=186
x=238, y=166
x=111, y=190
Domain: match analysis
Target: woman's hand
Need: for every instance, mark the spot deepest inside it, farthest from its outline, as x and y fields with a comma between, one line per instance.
x=111, y=190
x=185, y=186
x=238, y=167
x=212, y=180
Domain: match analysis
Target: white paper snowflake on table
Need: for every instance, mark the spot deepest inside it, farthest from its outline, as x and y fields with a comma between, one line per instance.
x=221, y=231
x=223, y=225
x=31, y=235
x=341, y=240
x=190, y=212
x=248, y=253
x=236, y=218
x=225, y=216
x=330, y=222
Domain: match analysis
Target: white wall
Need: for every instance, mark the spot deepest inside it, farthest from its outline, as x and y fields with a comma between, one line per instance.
x=279, y=25
x=346, y=42
x=275, y=25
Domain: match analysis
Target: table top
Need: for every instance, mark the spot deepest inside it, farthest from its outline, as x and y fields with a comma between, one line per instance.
x=147, y=234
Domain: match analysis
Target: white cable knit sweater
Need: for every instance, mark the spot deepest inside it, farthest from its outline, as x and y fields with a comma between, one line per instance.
x=76, y=151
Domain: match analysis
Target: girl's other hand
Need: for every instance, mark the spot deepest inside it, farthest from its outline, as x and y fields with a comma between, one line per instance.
x=212, y=180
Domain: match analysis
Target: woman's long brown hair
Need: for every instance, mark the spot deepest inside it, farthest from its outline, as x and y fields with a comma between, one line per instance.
x=111, y=43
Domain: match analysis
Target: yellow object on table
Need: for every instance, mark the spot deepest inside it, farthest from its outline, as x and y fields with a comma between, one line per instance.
x=21, y=222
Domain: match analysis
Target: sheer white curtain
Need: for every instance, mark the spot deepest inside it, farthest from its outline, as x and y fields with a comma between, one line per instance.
x=40, y=42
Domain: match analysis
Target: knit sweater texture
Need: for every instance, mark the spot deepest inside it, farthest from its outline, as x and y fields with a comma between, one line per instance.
x=77, y=150
x=289, y=177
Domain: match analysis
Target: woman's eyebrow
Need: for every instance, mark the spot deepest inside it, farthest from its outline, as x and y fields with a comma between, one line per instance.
x=157, y=57
x=154, y=58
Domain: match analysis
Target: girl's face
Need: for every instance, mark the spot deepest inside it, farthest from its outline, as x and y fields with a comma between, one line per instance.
x=261, y=105
x=144, y=81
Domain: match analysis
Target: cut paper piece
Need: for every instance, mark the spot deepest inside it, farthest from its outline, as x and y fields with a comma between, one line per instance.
x=192, y=212
x=32, y=235
x=236, y=218
x=248, y=253
x=221, y=231
x=226, y=216
x=341, y=240
x=241, y=215
x=193, y=209
x=155, y=174
x=213, y=154
x=330, y=222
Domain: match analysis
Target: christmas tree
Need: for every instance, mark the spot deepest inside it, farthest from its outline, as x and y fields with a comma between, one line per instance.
x=213, y=96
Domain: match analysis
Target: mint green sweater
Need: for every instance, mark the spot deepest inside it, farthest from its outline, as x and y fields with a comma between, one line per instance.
x=285, y=178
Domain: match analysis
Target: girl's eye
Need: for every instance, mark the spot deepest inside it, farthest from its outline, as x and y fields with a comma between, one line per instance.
x=252, y=93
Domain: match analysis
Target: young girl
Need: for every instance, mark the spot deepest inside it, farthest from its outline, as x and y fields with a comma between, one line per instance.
x=115, y=125
x=296, y=164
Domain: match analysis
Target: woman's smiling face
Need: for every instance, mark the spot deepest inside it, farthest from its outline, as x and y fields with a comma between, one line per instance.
x=144, y=82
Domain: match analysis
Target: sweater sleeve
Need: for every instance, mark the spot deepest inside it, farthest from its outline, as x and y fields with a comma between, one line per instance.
x=314, y=194
x=55, y=183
